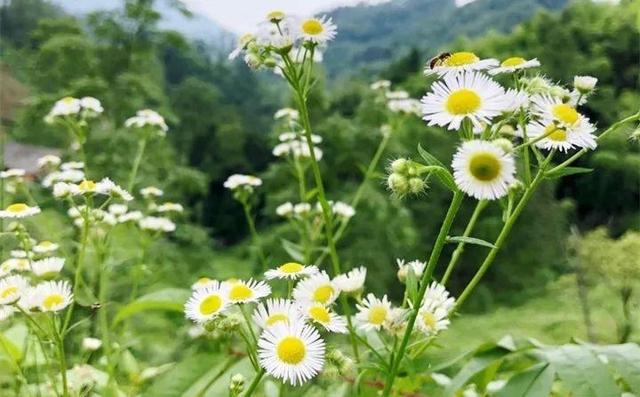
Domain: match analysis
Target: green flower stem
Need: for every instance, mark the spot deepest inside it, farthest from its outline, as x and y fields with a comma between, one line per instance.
x=103, y=316
x=460, y=248
x=254, y=235
x=79, y=263
x=359, y=192
x=301, y=98
x=248, y=321
x=254, y=383
x=424, y=282
x=142, y=144
x=504, y=233
x=525, y=154
x=62, y=357
x=581, y=152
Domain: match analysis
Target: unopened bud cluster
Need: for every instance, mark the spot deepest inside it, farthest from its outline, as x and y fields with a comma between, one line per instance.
x=404, y=178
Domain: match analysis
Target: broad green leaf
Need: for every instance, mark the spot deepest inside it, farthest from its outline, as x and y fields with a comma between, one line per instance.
x=429, y=158
x=12, y=341
x=294, y=250
x=567, y=171
x=625, y=360
x=219, y=387
x=170, y=299
x=581, y=371
x=473, y=367
x=470, y=240
x=412, y=284
x=535, y=381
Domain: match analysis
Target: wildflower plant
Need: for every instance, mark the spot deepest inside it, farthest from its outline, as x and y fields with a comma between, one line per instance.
x=511, y=138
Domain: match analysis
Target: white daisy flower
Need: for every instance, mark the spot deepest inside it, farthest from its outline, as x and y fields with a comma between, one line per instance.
x=107, y=186
x=132, y=216
x=458, y=62
x=48, y=267
x=62, y=176
x=147, y=118
x=302, y=208
x=483, y=170
x=512, y=64
x=396, y=323
x=207, y=303
x=157, y=224
x=293, y=353
x=91, y=344
x=403, y=268
x=49, y=160
x=12, y=288
x=351, y=282
x=396, y=95
x=275, y=311
x=117, y=209
x=468, y=95
x=12, y=173
x=66, y=106
x=236, y=181
x=316, y=30
x=553, y=109
x=6, y=312
x=380, y=85
x=406, y=106
x=584, y=84
x=437, y=295
x=320, y=314
x=518, y=100
x=91, y=104
x=288, y=113
x=247, y=291
x=52, y=296
x=343, y=210
x=562, y=139
x=285, y=209
x=72, y=165
x=45, y=247
x=203, y=282
x=432, y=318
x=19, y=210
x=291, y=271
x=151, y=191
x=272, y=35
x=317, y=288
x=243, y=42
x=15, y=264
x=21, y=254
x=373, y=313
x=170, y=207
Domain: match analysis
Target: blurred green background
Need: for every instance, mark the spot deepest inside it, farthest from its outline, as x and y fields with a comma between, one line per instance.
x=221, y=122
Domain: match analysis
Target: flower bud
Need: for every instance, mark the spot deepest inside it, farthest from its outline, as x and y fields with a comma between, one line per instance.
x=417, y=185
x=398, y=184
x=275, y=16
x=270, y=62
x=236, y=385
x=504, y=144
x=253, y=61
x=399, y=165
x=584, y=84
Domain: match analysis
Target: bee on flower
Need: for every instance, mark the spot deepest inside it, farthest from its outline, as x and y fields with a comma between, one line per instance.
x=448, y=64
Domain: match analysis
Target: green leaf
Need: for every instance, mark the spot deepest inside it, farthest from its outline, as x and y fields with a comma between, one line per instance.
x=625, y=360
x=170, y=299
x=477, y=364
x=412, y=284
x=11, y=342
x=567, y=171
x=469, y=240
x=294, y=250
x=429, y=158
x=581, y=371
x=535, y=381
x=445, y=177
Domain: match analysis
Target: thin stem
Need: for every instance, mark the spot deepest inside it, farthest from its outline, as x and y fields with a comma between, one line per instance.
x=525, y=156
x=254, y=235
x=103, y=316
x=248, y=322
x=581, y=152
x=460, y=248
x=62, y=356
x=254, y=383
x=426, y=276
x=142, y=143
x=79, y=264
x=504, y=233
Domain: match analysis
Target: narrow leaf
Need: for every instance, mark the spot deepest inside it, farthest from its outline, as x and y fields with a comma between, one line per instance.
x=294, y=250
x=567, y=171
x=429, y=158
x=535, y=381
x=170, y=299
x=469, y=240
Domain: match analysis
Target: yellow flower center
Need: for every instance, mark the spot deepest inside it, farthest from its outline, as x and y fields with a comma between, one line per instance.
x=275, y=16
x=68, y=100
x=323, y=294
x=291, y=267
x=462, y=102
x=203, y=280
x=555, y=133
x=87, y=186
x=320, y=314
x=52, y=300
x=485, y=166
x=291, y=350
x=513, y=61
x=565, y=113
x=7, y=292
x=377, y=315
x=240, y=292
x=312, y=27
x=17, y=208
x=461, y=58
x=429, y=320
x=46, y=244
x=276, y=318
x=210, y=305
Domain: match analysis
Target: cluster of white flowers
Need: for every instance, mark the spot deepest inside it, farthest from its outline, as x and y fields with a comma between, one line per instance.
x=294, y=144
x=242, y=182
x=468, y=100
x=338, y=208
x=285, y=35
x=148, y=118
x=88, y=187
x=85, y=107
x=397, y=101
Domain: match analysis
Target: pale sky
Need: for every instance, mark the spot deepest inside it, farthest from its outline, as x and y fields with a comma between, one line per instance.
x=241, y=16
